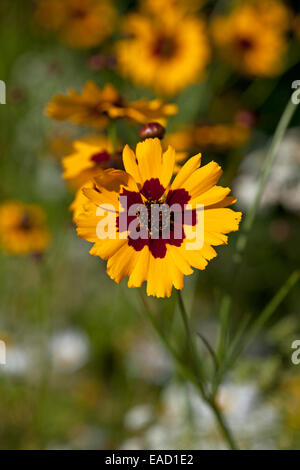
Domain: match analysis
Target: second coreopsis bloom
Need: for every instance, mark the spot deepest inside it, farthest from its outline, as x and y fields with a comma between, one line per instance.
x=186, y=6
x=252, y=37
x=165, y=52
x=89, y=156
x=22, y=228
x=80, y=23
x=159, y=251
x=96, y=107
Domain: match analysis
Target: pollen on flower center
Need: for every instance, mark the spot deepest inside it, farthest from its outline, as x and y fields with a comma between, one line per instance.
x=156, y=228
x=158, y=221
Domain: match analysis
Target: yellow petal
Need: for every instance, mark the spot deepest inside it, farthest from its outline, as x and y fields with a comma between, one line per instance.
x=221, y=220
x=159, y=283
x=203, y=179
x=186, y=171
x=122, y=263
x=106, y=248
x=213, y=196
x=130, y=164
x=149, y=155
x=140, y=272
x=179, y=259
x=168, y=162
x=175, y=274
x=103, y=198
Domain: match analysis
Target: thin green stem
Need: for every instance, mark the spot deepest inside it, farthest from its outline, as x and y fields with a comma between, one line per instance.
x=250, y=217
x=223, y=425
x=179, y=362
x=268, y=163
x=190, y=374
x=244, y=337
x=269, y=310
x=223, y=336
x=189, y=338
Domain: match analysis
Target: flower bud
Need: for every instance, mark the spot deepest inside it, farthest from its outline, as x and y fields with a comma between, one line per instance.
x=151, y=130
x=246, y=118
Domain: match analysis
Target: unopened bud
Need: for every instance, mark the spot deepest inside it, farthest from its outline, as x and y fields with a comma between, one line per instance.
x=152, y=129
x=246, y=118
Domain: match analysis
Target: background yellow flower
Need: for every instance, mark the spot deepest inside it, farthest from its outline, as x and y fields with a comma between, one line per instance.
x=80, y=23
x=172, y=50
x=22, y=228
x=89, y=156
x=252, y=37
x=96, y=107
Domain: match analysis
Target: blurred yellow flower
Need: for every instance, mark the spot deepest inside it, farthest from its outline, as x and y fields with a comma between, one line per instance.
x=252, y=37
x=22, y=228
x=166, y=51
x=88, y=157
x=186, y=6
x=274, y=13
x=96, y=107
x=217, y=137
x=159, y=260
x=221, y=136
x=80, y=23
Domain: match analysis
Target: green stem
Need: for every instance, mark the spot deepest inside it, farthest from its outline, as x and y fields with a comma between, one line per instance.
x=250, y=217
x=189, y=337
x=190, y=375
x=268, y=163
x=268, y=311
x=223, y=425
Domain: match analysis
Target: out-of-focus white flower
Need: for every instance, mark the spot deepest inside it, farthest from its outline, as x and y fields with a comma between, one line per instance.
x=69, y=350
x=18, y=361
x=185, y=420
x=237, y=402
x=48, y=182
x=132, y=444
x=148, y=361
x=138, y=417
x=283, y=185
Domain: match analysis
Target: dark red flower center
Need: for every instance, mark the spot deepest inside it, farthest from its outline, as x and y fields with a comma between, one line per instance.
x=165, y=47
x=79, y=13
x=244, y=44
x=101, y=157
x=25, y=223
x=156, y=221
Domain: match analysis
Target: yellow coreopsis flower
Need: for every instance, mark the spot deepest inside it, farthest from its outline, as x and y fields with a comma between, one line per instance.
x=252, y=37
x=128, y=199
x=89, y=156
x=166, y=52
x=96, y=107
x=217, y=137
x=80, y=23
x=22, y=228
x=186, y=6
